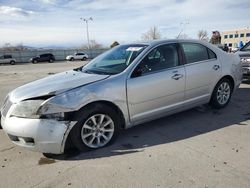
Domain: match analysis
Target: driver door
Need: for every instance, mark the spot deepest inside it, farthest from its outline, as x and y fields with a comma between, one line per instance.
x=156, y=86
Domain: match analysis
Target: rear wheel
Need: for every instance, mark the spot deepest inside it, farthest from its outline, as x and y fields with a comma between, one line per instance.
x=97, y=126
x=222, y=94
x=51, y=60
x=84, y=58
x=12, y=62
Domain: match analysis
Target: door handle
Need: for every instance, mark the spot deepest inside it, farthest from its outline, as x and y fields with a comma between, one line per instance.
x=216, y=67
x=177, y=76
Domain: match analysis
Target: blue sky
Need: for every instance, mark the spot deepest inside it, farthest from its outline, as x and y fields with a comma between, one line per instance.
x=57, y=22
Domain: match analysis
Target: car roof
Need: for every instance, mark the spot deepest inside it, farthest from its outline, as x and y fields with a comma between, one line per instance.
x=158, y=42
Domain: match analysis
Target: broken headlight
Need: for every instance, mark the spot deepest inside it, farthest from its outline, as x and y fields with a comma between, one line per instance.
x=56, y=116
x=27, y=109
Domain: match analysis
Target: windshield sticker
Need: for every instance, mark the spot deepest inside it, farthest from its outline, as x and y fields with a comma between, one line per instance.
x=134, y=49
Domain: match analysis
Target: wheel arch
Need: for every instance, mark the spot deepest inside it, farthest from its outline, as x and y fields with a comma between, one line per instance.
x=230, y=78
x=112, y=105
x=66, y=144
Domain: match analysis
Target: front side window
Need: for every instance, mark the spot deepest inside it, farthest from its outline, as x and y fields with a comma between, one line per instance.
x=246, y=47
x=194, y=52
x=160, y=58
x=115, y=60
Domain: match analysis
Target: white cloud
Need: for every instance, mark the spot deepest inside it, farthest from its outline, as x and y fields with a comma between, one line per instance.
x=46, y=1
x=122, y=20
x=15, y=12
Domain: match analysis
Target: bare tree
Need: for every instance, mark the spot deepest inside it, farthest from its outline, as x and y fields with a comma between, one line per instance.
x=202, y=35
x=151, y=34
x=9, y=47
x=93, y=44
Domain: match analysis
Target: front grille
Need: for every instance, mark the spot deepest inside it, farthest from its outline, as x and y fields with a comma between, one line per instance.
x=6, y=106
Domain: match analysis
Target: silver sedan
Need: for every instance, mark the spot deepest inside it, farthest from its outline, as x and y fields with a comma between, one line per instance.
x=126, y=86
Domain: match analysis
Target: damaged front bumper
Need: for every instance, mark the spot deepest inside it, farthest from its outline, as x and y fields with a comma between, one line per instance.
x=43, y=135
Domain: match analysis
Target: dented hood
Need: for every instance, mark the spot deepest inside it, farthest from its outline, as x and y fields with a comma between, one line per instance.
x=53, y=85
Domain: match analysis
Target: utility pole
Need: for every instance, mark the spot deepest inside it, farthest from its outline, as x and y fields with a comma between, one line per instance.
x=183, y=25
x=86, y=20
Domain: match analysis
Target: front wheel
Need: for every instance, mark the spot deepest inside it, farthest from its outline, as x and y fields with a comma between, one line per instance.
x=51, y=60
x=12, y=62
x=97, y=126
x=222, y=94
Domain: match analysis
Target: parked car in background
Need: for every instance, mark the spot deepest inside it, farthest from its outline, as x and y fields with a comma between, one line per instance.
x=126, y=86
x=7, y=59
x=43, y=58
x=244, y=54
x=77, y=56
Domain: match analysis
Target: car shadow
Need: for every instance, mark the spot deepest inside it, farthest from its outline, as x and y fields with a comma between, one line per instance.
x=184, y=125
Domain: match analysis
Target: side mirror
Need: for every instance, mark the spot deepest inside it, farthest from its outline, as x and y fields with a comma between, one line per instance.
x=137, y=72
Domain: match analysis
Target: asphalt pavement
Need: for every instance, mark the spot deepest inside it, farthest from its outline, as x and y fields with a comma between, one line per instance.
x=201, y=147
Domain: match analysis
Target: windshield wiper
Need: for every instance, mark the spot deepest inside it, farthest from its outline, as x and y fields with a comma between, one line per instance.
x=89, y=72
x=78, y=69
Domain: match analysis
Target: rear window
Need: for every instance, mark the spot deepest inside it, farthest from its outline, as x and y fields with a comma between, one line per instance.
x=196, y=52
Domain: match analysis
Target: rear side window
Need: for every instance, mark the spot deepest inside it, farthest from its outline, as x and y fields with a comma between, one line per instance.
x=7, y=56
x=211, y=54
x=196, y=52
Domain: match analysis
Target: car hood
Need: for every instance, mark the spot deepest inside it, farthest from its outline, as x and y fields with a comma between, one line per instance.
x=53, y=85
x=243, y=53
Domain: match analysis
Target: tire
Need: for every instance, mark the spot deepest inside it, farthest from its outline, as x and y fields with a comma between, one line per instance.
x=222, y=94
x=97, y=126
x=51, y=60
x=84, y=59
x=71, y=59
x=12, y=62
x=34, y=61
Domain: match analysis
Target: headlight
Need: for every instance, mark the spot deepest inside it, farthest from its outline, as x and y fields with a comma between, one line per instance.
x=27, y=109
x=30, y=109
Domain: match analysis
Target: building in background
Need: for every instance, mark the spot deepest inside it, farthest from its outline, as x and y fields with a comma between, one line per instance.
x=235, y=38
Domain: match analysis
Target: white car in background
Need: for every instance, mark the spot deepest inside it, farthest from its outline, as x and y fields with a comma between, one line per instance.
x=77, y=56
x=7, y=59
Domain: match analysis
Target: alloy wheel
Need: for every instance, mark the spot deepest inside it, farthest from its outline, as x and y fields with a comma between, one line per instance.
x=223, y=93
x=97, y=131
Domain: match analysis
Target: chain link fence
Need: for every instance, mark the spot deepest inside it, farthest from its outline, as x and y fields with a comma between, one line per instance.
x=25, y=55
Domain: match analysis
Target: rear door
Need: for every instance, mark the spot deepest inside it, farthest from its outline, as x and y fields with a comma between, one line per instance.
x=203, y=70
x=78, y=56
x=157, y=84
x=43, y=57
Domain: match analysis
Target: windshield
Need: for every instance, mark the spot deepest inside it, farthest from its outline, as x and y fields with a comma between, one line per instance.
x=246, y=47
x=115, y=60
